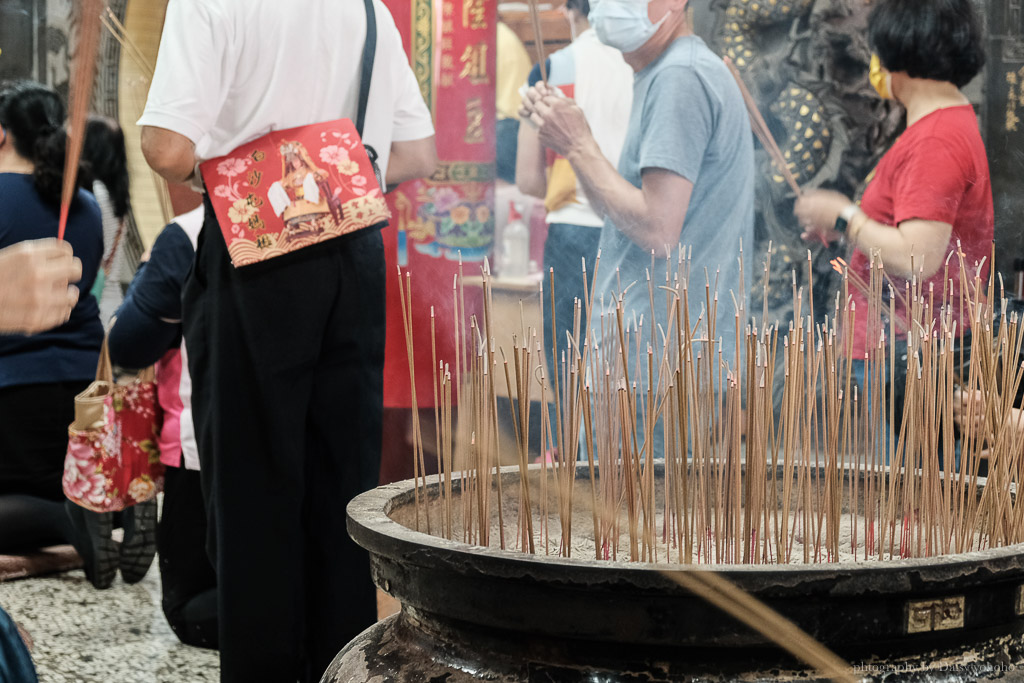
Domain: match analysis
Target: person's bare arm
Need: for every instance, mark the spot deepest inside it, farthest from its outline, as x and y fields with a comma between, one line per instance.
x=170, y=154
x=36, y=293
x=917, y=247
x=411, y=159
x=531, y=170
x=652, y=215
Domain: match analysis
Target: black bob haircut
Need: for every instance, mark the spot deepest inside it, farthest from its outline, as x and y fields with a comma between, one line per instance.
x=935, y=39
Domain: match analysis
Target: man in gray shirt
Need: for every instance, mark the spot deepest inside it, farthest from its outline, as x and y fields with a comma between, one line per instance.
x=685, y=176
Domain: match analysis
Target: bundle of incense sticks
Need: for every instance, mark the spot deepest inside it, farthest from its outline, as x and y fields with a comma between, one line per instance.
x=83, y=71
x=120, y=34
x=743, y=480
x=538, y=40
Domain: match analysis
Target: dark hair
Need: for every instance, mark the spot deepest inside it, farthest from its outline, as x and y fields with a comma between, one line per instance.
x=581, y=6
x=33, y=117
x=104, y=159
x=936, y=39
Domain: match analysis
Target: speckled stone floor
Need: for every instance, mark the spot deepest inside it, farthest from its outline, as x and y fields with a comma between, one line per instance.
x=119, y=635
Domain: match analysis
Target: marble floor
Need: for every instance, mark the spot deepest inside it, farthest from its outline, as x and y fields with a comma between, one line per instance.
x=119, y=635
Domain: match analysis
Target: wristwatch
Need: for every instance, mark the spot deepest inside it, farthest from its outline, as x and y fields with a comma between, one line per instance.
x=845, y=216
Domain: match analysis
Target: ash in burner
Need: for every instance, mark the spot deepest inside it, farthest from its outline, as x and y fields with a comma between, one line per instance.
x=799, y=537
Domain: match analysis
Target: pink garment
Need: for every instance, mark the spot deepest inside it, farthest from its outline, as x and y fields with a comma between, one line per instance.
x=168, y=381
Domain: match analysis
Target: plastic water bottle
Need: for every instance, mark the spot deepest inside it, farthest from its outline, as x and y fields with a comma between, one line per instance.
x=515, y=245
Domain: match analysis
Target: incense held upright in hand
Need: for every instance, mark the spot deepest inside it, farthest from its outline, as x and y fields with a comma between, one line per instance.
x=538, y=41
x=83, y=70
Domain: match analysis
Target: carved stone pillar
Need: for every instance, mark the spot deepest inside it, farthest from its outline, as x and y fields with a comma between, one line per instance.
x=1004, y=129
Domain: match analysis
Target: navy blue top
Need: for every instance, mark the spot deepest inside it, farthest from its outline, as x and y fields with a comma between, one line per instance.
x=148, y=321
x=15, y=661
x=69, y=352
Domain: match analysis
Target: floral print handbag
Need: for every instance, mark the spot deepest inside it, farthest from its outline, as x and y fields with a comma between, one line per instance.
x=112, y=461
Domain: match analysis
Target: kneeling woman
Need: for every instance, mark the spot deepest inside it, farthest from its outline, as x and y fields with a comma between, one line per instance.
x=147, y=331
x=41, y=374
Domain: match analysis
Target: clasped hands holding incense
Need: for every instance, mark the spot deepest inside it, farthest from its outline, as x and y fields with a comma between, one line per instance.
x=559, y=121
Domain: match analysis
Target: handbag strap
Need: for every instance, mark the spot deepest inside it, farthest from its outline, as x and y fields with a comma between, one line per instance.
x=104, y=369
x=369, y=52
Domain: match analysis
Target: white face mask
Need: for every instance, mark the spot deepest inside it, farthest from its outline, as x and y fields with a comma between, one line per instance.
x=623, y=24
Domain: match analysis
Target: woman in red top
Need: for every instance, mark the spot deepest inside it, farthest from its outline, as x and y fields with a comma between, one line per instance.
x=931, y=191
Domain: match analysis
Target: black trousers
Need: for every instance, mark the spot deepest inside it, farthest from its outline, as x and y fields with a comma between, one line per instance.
x=34, y=423
x=187, y=578
x=287, y=364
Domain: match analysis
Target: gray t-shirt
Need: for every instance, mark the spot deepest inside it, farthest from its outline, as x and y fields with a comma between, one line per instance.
x=689, y=118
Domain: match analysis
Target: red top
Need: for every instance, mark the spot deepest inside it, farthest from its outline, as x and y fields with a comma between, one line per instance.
x=937, y=171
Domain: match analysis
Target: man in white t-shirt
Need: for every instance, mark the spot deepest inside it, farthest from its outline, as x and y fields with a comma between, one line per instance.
x=287, y=355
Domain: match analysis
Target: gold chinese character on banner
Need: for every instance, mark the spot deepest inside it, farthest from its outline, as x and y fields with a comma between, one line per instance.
x=474, y=121
x=474, y=14
x=474, y=64
x=255, y=177
x=447, y=62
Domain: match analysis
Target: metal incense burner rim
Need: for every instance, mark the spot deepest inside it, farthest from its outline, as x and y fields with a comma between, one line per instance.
x=876, y=607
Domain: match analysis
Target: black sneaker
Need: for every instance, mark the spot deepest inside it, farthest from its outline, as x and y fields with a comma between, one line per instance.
x=94, y=543
x=139, y=544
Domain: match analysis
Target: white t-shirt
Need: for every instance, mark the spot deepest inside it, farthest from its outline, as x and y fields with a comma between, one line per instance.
x=191, y=223
x=230, y=71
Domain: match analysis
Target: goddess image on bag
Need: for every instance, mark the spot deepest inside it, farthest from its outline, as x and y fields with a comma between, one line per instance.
x=304, y=194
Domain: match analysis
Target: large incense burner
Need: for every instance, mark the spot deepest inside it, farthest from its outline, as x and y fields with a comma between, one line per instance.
x=689, y=496
x=482, y=613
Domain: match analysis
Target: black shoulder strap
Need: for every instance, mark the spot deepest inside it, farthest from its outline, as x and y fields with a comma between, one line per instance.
x=369, y=51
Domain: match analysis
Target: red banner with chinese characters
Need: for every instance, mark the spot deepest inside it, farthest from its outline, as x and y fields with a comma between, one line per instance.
x=434, y=222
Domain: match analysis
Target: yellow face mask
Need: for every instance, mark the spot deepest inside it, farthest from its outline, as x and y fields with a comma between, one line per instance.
x=880, y=78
